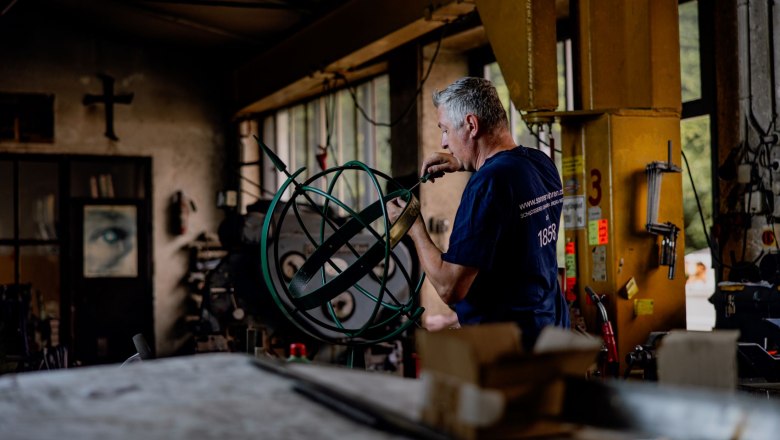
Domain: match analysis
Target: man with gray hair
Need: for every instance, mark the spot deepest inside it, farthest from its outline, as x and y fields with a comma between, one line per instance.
x=501, y=263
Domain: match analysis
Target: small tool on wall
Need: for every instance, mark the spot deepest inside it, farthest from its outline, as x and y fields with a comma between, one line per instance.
x=668, y=231
x=179, y=212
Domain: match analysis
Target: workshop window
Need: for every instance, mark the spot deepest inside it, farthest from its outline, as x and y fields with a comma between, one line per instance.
x=26, y=117
x=695, y=130
x=696, y=134
x=690, y=59
x=331, y=130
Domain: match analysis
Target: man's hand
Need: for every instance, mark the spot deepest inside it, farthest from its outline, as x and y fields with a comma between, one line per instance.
x=394, y=209
x=435, y=323
x=439, y=163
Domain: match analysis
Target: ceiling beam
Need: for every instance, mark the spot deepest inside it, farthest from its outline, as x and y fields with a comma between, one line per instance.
x=187, y=23
x=251, y=4
x=352, y=35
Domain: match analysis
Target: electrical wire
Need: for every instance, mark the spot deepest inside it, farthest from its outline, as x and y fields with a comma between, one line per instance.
x=253, y=183
x=413, y=101
x=698, y=201
x=701, y=211
x=243, y=191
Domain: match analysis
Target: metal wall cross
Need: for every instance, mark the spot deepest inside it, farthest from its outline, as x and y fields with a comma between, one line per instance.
x=109, y=99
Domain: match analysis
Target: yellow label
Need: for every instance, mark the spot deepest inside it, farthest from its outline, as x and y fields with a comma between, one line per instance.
x=643, y=307
x=631, y=288
x=572, y=166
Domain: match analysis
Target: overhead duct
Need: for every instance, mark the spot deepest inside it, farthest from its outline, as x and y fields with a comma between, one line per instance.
x=522, y=35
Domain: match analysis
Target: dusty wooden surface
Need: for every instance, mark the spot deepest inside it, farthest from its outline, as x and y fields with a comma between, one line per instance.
x=214, y=396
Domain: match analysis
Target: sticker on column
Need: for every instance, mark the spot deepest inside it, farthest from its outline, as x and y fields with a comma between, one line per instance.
x=594, y=213
x=572, y=165
x=571, y=260
x=599, y=255
x=603, y=231
x=574, y=212
x=598, y=232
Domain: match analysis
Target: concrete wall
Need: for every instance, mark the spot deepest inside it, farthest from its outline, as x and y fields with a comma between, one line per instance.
x=175, y=118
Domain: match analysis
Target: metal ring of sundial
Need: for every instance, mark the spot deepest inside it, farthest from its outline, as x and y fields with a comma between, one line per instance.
x=302, y=296
x=364, y=263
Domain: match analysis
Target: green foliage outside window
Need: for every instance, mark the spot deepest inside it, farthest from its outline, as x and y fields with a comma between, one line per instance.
x=694, y=133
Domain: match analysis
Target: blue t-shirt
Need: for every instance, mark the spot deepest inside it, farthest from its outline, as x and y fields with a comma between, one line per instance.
x=507, y=227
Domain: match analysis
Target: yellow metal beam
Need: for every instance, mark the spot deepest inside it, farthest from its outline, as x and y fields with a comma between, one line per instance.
x=629, y=54
x=522, y=35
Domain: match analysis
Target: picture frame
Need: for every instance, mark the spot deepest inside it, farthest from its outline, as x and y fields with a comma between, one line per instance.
x=110, y=241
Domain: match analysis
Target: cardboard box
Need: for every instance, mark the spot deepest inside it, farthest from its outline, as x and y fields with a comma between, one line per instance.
x=479, y=383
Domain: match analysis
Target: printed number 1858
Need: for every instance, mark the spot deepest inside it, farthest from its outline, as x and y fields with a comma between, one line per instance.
x=547, y=235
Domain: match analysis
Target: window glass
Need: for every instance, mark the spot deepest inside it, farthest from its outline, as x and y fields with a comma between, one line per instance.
x=365, y=141
x=6, y=200
x=6, y=264
x=700, y=282
x=315, y=124
x=38, y=204
x=298, y=138
x=347, y=146
x=301, y=131
x=561, y=65
x=695, y=134
x=690, y=60
x=40, y=267
x=493, y=73
x=250, y=154
x=282, y=146
x=382, y=102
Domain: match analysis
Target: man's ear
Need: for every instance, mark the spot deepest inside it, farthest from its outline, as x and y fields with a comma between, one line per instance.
x=472, y=124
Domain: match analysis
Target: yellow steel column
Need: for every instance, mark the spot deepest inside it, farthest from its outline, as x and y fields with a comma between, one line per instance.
x=605, y=155
x=629, y=86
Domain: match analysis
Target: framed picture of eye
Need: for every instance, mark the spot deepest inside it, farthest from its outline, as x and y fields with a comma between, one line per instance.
x=110, y=241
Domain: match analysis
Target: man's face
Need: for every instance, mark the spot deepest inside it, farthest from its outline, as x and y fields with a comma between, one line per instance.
x=454, y=137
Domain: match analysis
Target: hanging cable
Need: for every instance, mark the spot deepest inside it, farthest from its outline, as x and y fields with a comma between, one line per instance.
x=243, y=191
x=538, y=138
x=413, y=101
x=253, y=183
x=701, y=211
x=698, y=202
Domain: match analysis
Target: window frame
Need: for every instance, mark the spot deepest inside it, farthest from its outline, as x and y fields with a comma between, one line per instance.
x=277, y=129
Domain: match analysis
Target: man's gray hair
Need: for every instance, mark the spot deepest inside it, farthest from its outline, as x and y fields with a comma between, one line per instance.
x=472, y=95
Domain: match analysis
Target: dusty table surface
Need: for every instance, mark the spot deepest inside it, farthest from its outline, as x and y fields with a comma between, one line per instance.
x=208, y=396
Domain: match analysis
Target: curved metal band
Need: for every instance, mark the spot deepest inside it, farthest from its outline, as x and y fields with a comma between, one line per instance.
x=363, y=264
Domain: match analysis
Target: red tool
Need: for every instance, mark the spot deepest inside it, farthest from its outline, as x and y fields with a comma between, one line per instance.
x=610, y=366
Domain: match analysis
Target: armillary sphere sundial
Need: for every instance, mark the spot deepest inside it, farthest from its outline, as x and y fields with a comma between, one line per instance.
x=343, y=278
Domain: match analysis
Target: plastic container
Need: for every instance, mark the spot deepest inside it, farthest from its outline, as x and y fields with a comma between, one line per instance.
x=298, y=353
